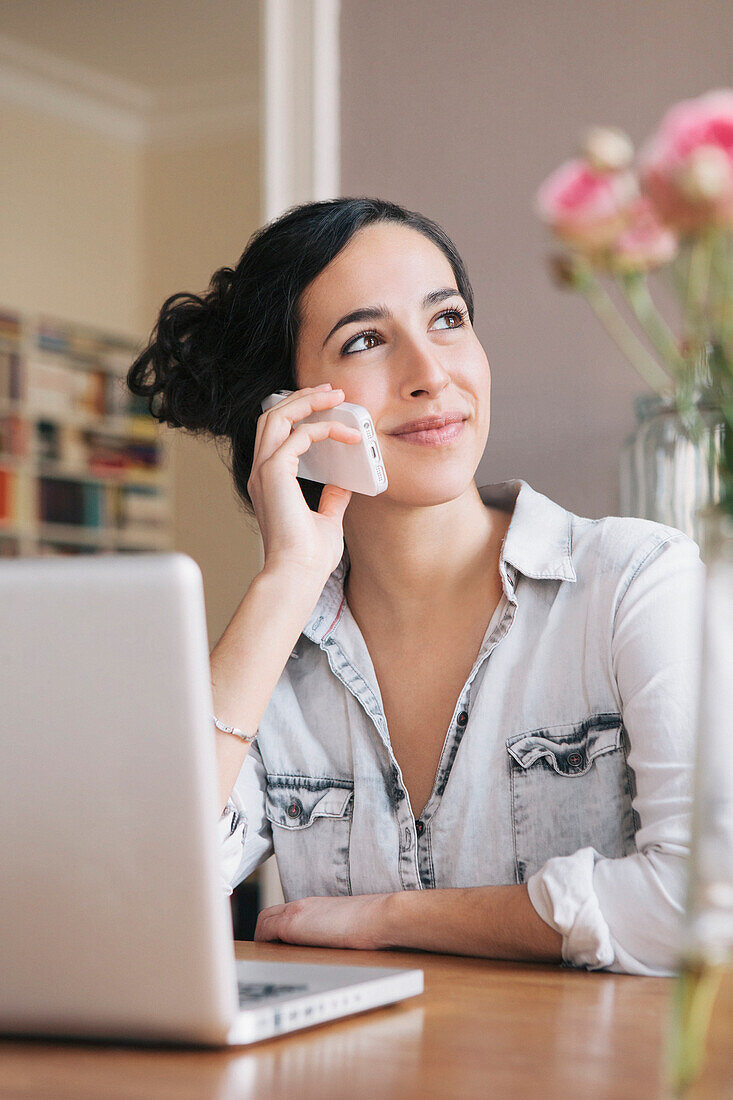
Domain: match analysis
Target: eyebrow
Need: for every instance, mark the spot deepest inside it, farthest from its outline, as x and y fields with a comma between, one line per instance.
x=381, y=313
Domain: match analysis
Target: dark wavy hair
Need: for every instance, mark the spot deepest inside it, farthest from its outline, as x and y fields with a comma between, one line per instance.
x=212, y=358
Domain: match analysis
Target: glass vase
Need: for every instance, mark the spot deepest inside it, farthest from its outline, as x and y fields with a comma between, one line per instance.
x=665, y=474
x=706, y=947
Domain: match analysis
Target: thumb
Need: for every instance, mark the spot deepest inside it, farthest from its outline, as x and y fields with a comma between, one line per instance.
x=334, y=502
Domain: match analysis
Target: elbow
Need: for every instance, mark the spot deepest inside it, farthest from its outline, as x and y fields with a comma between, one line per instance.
x=646, y=920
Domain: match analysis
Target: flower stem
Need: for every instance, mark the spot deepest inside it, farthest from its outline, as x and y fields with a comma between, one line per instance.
x=678, y=267
x=694, y=994
x=636, y=290
x=721, y=307
x=609, y=316
x=698, y=283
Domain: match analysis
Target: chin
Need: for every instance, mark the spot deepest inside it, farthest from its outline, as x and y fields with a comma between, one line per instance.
x=421, y=491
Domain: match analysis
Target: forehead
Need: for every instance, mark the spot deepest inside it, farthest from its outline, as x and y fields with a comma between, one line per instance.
x=386, y=262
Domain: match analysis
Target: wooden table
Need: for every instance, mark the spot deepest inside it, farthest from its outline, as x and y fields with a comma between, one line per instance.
x=483, y=1028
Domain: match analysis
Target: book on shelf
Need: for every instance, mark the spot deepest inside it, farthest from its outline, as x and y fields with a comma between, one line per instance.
x=63, y=549
x=10, y=373
x=11, y=326
x=73, y=503
x=14, y=436
x=7, y=495
x=76, y=503
x=16, y=498
x=55, y=387
x=77, y=448
x=93, y=452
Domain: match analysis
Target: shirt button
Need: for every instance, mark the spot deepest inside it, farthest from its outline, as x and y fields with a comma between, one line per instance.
x=575, y=759
x=295, y=808
x=463, y=718
x=420, y=827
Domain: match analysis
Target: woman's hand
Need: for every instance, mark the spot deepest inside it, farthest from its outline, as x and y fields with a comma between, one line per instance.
x=358, y=921
x=292, y=534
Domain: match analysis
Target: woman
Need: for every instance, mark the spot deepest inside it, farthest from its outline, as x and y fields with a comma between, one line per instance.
x=474, y=709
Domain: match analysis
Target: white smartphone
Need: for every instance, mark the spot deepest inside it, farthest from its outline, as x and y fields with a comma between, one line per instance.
x=355, y=466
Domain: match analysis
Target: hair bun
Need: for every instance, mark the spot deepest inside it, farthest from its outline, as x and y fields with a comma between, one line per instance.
x=182, y=370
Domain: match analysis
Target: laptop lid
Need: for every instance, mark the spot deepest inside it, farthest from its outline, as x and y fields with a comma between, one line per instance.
x=114, y=922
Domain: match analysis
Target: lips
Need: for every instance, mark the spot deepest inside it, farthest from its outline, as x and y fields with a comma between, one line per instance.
x=428, y=423
x=434, y=437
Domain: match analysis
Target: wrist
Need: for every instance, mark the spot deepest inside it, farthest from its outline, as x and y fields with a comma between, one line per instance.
x=392, y=924
x=296, y=582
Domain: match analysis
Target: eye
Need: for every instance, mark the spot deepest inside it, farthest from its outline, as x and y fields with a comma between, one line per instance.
x=458, y=315
x=370, y=335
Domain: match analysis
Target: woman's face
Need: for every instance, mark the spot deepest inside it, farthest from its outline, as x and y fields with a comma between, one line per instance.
x=420, y=358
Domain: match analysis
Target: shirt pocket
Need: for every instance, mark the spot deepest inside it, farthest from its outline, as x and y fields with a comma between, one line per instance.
x=571, y=788
x=311, y=829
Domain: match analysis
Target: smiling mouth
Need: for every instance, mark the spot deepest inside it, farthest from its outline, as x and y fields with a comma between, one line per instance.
x=434, y=437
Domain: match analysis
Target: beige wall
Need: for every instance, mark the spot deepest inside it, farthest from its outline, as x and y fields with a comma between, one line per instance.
x=201, y=205
x=70, y=221
x=460, y=110
x=100, y=232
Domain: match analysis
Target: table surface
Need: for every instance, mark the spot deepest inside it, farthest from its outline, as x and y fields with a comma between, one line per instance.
x=482, y=1028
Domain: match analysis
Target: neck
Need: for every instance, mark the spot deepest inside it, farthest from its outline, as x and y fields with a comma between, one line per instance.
x=411, y=563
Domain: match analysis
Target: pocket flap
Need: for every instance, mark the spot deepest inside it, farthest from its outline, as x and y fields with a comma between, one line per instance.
x=297, y=805
x=570, y=749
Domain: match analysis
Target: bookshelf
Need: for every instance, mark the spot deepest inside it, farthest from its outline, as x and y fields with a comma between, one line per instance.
x=84, y=468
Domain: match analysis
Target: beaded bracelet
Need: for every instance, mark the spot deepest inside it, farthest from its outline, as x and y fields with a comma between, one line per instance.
x=248, y=737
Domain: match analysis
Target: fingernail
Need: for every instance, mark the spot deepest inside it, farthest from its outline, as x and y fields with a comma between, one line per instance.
x=324, y=386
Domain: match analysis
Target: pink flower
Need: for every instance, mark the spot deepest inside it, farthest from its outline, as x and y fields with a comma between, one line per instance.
x=686, y=168
x=645, y=243
x=585, y=207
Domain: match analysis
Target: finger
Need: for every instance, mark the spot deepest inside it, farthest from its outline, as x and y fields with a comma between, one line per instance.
x=272, y=910
x=265, y=929
x=262, y=418
x=334, y=502
x=301, y=437
x=274, y=429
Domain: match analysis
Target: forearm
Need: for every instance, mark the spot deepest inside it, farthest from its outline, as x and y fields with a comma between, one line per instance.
x=249, y=659
x=495, y=922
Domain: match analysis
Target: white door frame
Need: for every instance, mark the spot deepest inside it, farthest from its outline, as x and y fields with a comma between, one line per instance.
x=300, y=103
x=299, y=148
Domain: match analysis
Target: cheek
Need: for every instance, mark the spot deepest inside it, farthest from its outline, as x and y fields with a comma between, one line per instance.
x=477, y=375
x=373, y=394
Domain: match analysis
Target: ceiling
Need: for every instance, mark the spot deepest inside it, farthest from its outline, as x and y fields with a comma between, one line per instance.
x=155, y=45
x=145, y=71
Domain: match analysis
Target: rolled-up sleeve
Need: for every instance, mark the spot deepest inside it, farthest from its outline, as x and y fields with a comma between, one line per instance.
x=244, y=830
x=625, y=915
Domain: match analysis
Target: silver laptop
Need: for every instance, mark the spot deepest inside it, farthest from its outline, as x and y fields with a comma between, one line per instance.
x=115, y=923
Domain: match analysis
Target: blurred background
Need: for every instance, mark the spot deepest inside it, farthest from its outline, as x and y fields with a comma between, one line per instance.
x=143, y=142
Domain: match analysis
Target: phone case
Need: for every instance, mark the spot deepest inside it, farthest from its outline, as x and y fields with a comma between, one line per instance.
x=358, y=467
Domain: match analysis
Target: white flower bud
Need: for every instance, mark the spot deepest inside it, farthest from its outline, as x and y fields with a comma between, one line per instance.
x=607, y=148
x=706, y=174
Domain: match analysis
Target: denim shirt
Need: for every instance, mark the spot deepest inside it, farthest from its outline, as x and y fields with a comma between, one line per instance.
x=567, y=764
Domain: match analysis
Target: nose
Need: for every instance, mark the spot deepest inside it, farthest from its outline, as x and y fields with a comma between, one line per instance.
x=422, y=371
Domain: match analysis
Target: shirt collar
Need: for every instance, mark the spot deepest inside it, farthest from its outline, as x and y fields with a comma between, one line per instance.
x=537, y=543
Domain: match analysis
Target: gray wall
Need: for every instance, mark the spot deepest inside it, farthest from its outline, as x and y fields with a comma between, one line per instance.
x=460, y=110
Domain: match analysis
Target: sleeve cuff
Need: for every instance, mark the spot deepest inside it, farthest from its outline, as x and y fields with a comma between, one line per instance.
x=232, y=827
x=563, y=895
